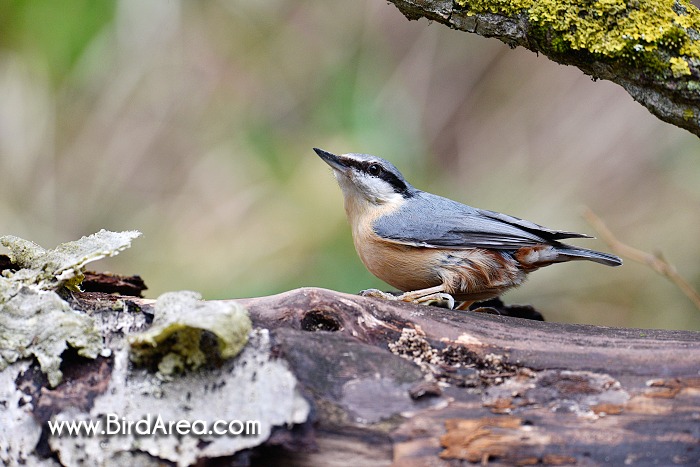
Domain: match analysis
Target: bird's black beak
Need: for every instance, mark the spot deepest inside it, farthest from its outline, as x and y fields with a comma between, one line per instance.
x=331, y=159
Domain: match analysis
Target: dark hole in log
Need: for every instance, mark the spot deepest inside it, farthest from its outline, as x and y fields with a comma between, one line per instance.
x=5, y=263
x=320, y=320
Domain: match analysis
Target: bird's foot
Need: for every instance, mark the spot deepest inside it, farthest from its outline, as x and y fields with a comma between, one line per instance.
x=376, y=293
x=440, y=299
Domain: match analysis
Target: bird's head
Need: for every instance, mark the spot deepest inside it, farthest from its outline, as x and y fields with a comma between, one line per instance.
x=363, y=177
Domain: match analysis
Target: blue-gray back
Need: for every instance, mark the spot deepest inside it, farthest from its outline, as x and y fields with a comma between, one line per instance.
x=433, y=221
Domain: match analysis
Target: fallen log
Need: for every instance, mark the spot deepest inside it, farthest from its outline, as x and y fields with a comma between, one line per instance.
x=338, y=379
x=508, y=390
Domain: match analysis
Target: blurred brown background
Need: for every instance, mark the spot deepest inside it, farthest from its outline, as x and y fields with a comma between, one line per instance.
x=194, y=122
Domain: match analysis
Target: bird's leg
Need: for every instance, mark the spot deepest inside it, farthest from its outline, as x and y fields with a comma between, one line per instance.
x=426, y=296
x=464, y=305
x=432, y=294
x=443, y=300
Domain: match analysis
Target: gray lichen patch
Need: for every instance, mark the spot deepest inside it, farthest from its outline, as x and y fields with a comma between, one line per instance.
x=34, y=320
x=62, y=266
x=174, y=341
x=40, y=324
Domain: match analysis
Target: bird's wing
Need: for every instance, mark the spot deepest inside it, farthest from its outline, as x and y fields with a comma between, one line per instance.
x=432, y=221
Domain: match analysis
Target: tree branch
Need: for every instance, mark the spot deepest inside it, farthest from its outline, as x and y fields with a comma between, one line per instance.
x=655, y=261
x=651, y=47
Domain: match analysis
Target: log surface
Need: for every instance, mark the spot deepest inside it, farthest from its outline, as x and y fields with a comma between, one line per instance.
x=510, y=390
x=403, y=384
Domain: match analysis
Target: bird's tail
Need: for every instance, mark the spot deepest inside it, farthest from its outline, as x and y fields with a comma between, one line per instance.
x=574, y=253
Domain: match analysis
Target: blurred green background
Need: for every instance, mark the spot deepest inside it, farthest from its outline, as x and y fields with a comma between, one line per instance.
x=193, y=122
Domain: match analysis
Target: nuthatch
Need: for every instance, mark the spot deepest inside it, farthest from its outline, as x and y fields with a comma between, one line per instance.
x=431, y=247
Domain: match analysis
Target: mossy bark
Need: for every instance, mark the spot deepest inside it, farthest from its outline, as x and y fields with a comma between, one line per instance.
x=649, y=47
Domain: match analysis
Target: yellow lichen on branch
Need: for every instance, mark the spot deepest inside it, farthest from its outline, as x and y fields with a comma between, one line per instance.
x=679, y=67
x=631, y=30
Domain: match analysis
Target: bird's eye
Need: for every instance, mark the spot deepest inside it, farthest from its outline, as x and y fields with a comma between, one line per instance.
x=374, y=169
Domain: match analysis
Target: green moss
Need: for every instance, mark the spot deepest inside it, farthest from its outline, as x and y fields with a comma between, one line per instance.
x=650, y=34
x=640, y=56
x=674, y=39
x=688, y=114
x=508, y=7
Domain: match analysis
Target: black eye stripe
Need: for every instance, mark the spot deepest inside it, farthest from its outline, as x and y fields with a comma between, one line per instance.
x=393, y=180
x=384, y=174
x=353, y=163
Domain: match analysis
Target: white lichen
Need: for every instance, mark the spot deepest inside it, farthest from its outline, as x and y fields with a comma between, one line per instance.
x=62, y=266
x=254, y=386
x=19, y=430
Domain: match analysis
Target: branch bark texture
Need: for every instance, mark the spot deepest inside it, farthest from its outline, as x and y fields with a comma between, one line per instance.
x=649, y=47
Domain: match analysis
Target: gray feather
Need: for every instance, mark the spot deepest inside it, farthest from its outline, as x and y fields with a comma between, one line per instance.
x=433, y=221
x=570, y=252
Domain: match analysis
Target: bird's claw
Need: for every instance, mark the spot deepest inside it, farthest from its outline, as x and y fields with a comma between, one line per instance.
x=443, y=300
